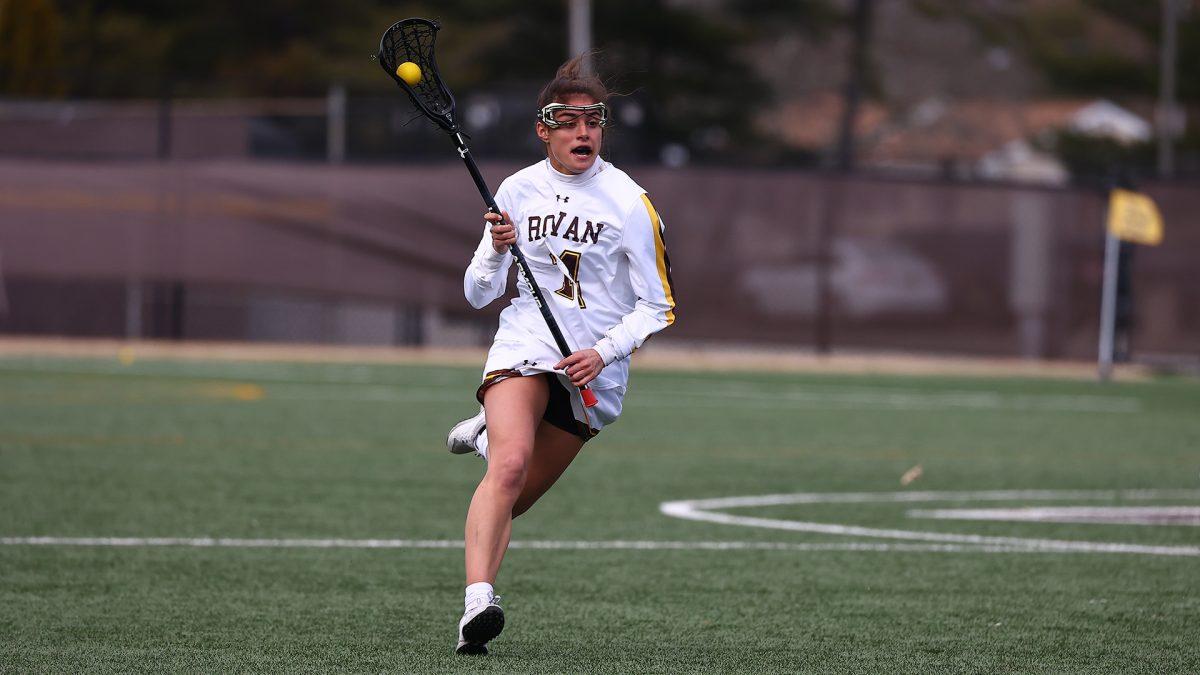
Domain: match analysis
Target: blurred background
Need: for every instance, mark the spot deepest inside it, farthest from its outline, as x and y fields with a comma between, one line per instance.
x=922, y=176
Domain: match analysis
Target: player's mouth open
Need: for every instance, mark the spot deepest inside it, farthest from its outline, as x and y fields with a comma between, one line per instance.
x=582, y=151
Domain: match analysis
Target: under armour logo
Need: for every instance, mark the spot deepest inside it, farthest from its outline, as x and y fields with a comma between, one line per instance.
x=562, y=198
x=462, y=152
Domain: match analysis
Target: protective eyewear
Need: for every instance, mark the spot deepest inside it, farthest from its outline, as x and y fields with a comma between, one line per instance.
x=558, y=115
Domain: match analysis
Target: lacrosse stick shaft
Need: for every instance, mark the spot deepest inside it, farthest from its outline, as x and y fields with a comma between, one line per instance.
x=589, y=397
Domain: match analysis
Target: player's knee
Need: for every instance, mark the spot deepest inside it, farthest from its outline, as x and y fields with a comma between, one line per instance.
x=508, y=470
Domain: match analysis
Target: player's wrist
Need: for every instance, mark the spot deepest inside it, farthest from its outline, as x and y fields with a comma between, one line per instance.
x=607, y=351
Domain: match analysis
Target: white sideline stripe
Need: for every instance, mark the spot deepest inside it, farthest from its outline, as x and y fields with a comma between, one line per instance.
x=814, y=400
x=894, y=400
x=545, y=545
x=1120, y=515
x=256, y=373
x=366, y=392
x=702, y=510
x=360, y=385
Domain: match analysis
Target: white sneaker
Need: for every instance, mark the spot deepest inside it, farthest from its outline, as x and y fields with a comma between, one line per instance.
x=464, y=436
x=480, y=624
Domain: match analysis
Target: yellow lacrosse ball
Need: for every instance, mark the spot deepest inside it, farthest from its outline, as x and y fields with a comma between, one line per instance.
x=409, y=72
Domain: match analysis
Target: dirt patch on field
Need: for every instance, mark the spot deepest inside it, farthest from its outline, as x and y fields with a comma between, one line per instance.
x=656, y=357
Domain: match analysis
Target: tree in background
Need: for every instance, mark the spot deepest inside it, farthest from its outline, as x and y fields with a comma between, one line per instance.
x=705, y=91
x=690, y=59
x=30, y=45
x=1080, y=47
x=1090, y=48
x=137, y=48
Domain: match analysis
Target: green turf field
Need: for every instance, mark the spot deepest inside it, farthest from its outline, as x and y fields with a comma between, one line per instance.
x=310, y=452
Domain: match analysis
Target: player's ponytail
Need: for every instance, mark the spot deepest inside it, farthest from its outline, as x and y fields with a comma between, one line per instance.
x=572, y=79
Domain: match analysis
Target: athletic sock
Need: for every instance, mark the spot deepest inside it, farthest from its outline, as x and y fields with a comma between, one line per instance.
x=478, y=590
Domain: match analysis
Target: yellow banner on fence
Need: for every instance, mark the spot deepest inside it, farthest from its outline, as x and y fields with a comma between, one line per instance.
x=1132, y=216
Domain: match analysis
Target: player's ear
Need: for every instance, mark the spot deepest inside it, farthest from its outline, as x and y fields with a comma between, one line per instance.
x=542, y=131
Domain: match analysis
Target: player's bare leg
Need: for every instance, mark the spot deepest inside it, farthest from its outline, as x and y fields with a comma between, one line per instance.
x=514, y=410
x=553, y=451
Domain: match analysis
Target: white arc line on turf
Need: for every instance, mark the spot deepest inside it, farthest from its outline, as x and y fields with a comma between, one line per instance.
x=536, y=545
x=704, y=510
x=1115, y=515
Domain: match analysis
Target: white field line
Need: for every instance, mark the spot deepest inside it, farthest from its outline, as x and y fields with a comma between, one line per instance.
x=789, y=400
x=375, y=393
x=542, y=545
x=890, y=399
x=703, y=510
x=265, y=372
x=359, y=385
x=943, y=543
x=242, y=372
x=1118, y=515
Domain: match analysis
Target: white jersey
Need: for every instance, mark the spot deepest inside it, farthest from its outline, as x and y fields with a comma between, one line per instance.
x=595, y=245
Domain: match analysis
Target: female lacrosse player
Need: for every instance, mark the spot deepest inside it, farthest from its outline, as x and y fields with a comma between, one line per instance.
x=595, y=244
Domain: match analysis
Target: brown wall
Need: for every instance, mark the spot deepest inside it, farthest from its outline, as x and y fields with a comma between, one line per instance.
x=915, y=265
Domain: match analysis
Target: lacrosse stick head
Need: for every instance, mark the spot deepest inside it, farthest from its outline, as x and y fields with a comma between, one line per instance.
x=412, y=41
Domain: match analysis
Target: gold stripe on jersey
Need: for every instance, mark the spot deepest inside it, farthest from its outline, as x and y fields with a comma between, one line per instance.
x=660, y=255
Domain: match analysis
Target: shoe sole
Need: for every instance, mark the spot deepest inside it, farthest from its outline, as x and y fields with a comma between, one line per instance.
x=472, y=649
x=484, y=627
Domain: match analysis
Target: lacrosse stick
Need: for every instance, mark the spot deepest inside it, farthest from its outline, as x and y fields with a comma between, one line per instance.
x=406, y=54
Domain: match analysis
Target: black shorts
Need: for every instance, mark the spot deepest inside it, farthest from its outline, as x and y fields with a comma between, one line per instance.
x=558, y=405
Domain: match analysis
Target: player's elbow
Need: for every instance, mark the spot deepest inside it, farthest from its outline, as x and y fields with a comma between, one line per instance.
x=666, y=313
x=658, y=314
x=668, y=316
x=475, y=297
x=476, y=294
